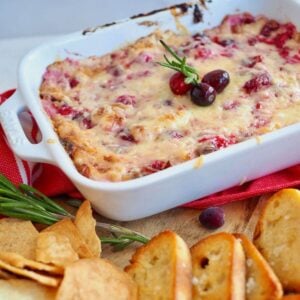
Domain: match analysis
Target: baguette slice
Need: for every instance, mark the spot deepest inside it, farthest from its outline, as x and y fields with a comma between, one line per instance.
x=218, y=268
x=162, y=268
x=291, y=297
x=277, y=236
x=261, y=281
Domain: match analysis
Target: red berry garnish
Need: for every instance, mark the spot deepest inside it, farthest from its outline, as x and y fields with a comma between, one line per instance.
x=65, y=110
x=212, y=217
x=203, y=53
x=252, y=41
x=219, y=142
x=252, y=61
x=156, y=165
x=218, y=79
x=127, y=136
x=177, y=84
x=269, y=27
x=73, y=82
x=87, y=123
x=257, y=82
x=224, y=42
x=203, y=94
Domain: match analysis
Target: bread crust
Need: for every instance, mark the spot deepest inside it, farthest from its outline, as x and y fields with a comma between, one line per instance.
x=181, y=268
x=269, y=286
x=235, y=281
x=289, y=199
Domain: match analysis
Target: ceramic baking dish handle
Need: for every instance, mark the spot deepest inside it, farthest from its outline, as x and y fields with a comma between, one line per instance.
x=14, y=132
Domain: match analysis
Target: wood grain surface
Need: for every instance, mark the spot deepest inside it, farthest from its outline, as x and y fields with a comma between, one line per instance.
x=239, y=217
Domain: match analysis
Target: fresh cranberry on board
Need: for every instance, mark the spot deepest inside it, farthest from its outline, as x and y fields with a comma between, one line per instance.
x=212, y=217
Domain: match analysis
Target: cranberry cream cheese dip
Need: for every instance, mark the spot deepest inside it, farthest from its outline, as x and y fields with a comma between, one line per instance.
x=120, y=117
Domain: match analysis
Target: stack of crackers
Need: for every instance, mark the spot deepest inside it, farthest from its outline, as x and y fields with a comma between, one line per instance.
x=60, y=262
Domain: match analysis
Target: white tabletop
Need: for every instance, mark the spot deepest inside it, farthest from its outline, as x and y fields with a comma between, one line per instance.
x=11, y=51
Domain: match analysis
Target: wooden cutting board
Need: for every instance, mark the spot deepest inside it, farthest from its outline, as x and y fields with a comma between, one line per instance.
x=239, y=217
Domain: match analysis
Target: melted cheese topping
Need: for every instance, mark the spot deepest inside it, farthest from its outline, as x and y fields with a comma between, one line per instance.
x=118, y=119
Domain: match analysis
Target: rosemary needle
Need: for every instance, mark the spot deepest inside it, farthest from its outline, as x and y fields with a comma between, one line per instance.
x=179, y=65
x=25, y=202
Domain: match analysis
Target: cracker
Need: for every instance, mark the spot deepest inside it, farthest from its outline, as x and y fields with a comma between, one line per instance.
x=86, y=224
x=18, y=236
x=55, y=248
x=43, y=279
x=21, y=262
x=67, y=228
x=15, y=289
x=95, y=279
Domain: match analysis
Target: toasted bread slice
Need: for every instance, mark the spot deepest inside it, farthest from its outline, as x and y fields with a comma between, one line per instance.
x=218, y=268
x=162, y=268
x=96, y=279
x=261, y=281
x=277, y=236
x=291, y=297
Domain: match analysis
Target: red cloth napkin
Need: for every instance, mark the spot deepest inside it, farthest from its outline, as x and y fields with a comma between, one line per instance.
x=52, y=182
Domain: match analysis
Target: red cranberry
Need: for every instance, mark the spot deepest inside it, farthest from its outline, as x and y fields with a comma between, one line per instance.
x=219, y=142
x=252, y=41
x=269, y=27
x=252, y=61
x=157, y=165
x=212, y=217
x=73, y=82
x=290, y=29
x=177, y=84
x=87, y=123
x=198, y=36
x=240, y=19
x=294, y=59
x=115, y=71
x=203, y=53
x=224, y=42
x=126, y=136
x=218, y=79
x=257, y=83
x=258, y=106
x=203, y=94
x=126, y=99
x=65, y=110
x=248, y=18
x=282, y=38
x=284, y=52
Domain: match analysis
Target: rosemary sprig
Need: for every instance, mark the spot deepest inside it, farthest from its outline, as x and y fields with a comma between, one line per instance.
x=121, y=236
x=25, y=202
x=179, y=65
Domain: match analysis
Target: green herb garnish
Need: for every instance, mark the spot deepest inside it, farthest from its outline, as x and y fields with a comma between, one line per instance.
x=25, y=202
x=180, y=65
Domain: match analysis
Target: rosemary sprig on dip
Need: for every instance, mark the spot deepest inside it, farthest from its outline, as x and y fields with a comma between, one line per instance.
x=25, y=202
x=180, y=65
x=186, y=79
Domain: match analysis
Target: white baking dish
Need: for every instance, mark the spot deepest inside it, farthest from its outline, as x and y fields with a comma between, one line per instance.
x=174, y=186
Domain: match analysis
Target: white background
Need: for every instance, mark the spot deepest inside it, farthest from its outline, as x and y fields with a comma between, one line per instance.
x=39, y=17
x=25, y=24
